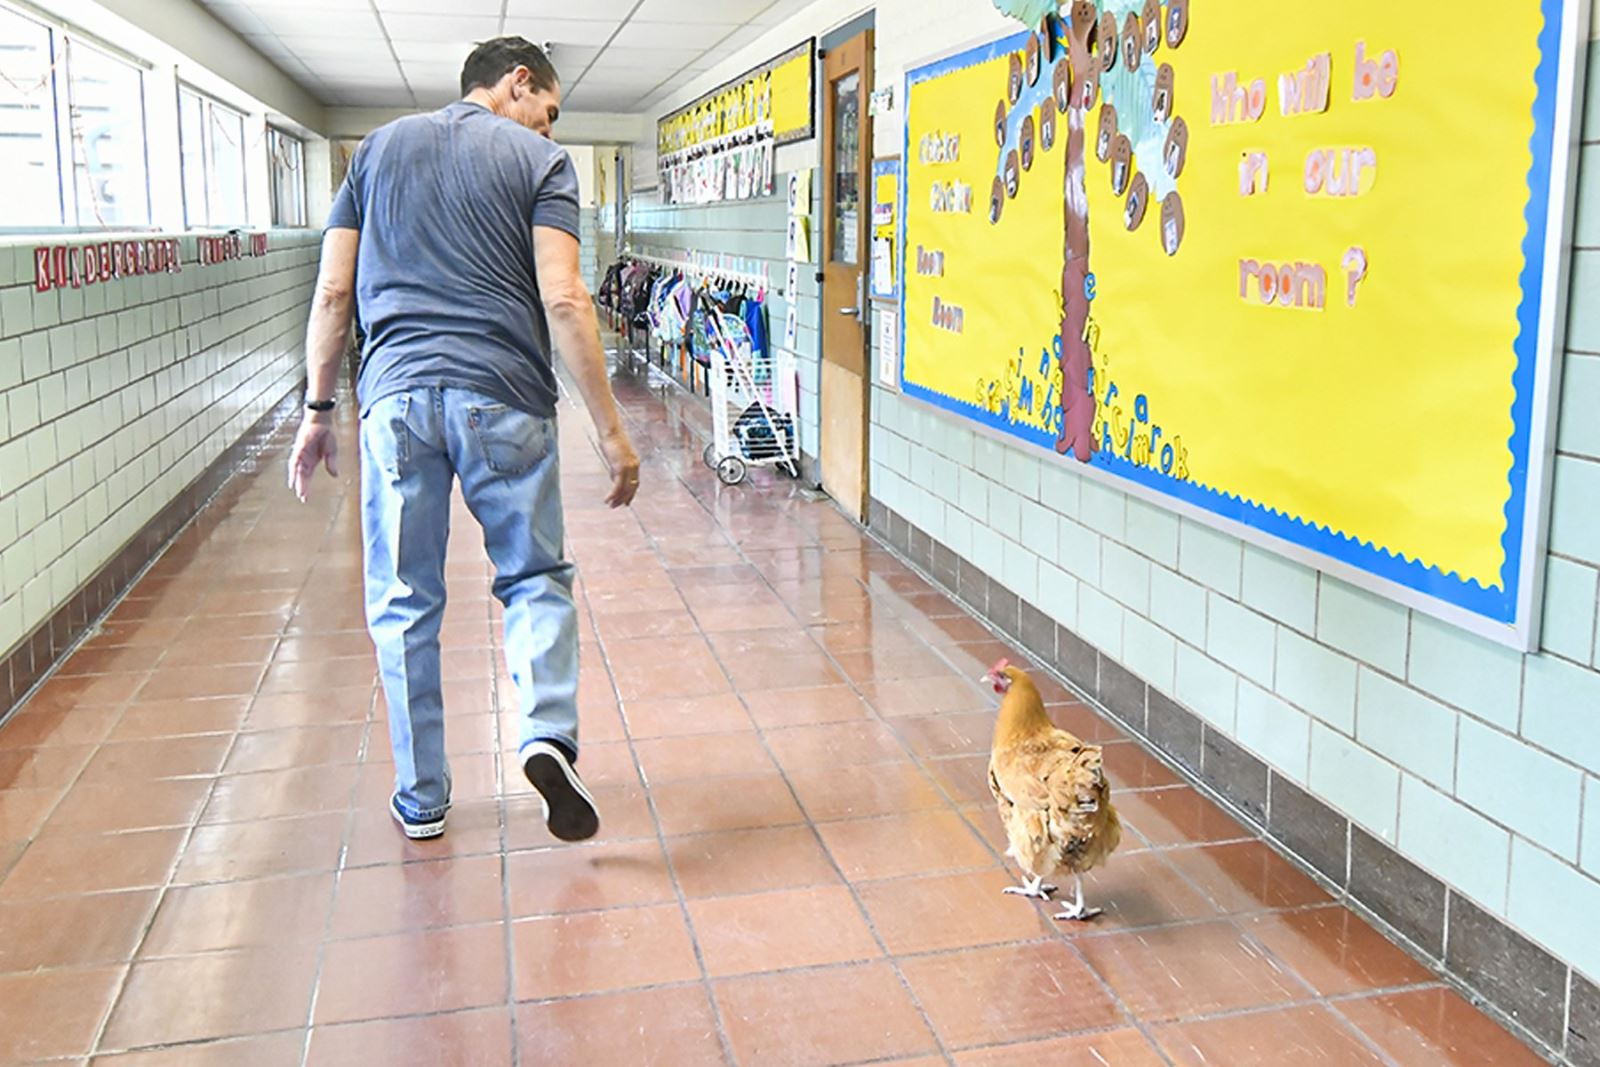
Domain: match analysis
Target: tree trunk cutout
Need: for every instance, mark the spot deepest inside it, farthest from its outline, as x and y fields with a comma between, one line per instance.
x=1100, y=51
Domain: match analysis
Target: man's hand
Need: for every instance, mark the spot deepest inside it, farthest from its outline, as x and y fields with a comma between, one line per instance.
x=624, y=464
x=315, y=443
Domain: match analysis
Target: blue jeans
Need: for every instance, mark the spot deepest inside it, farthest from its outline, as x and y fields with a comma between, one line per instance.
x=413, y=445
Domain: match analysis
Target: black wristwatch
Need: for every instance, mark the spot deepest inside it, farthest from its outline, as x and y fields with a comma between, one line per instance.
x=319, y=405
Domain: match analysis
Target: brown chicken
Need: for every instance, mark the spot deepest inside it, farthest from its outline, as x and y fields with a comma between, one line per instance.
x=1054, y=799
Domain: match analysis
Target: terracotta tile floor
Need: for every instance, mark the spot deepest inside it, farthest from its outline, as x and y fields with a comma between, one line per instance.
x=799, y=863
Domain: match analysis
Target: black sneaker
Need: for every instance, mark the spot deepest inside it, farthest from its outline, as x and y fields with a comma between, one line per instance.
x=416, y=829
x=569, y=810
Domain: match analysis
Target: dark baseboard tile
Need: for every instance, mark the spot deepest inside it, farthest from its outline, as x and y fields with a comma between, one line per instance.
x=1511, y=972
x=1399, y=892
x=947, y=569
x=810, y=471
x=1174, y=730
x=1236, y=774
x=34, y=656
x=1310, y=829
x=1035, y=629
x=1122, y=692
x=1078, y=661
x=1516, y=978
x=1583, y=1022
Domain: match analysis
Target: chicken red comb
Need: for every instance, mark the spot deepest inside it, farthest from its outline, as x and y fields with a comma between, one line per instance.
x=997, y=676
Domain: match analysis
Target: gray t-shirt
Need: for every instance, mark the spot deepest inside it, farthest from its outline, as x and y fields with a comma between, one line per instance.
x=445, y=288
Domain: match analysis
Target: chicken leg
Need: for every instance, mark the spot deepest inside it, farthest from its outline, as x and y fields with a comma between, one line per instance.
x=1034, y=889
x=1076, y=912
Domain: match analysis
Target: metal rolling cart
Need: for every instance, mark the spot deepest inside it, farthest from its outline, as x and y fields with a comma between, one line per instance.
x=747, y=430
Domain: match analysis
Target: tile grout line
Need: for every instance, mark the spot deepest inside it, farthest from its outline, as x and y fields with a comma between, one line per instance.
x=352, y=808
x=706, y=983
x=189, y=832
x=855, y=895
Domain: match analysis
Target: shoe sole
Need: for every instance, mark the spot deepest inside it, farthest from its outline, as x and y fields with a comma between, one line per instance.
x=417, y=831
x=570, y=812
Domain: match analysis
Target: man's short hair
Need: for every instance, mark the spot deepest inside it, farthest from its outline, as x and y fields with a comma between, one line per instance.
x=493, y=60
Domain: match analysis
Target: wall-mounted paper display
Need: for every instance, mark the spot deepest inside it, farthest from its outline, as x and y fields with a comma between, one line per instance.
x=885, y=241
x=888, y=346
x=721, y=146
x=798, y=242
x=1231, y=273
x=800, y=192
x=791, y=327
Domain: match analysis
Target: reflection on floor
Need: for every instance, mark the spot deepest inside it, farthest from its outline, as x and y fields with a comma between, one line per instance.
x=799, y=862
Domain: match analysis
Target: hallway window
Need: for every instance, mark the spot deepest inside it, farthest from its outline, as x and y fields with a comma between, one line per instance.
x=287, y=154
x=72, y=131
x=211, y=137
x=106, y=126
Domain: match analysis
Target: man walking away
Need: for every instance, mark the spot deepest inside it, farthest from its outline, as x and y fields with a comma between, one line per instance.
x=455, y=235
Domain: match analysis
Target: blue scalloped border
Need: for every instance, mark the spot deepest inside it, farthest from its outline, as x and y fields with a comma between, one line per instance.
x=1495, y=603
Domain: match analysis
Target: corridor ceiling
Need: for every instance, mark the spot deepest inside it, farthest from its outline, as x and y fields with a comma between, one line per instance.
x=613, y=55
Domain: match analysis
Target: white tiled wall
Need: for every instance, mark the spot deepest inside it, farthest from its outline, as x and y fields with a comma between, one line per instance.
x=117, y=395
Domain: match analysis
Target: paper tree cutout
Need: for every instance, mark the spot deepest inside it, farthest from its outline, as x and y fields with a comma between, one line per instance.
x=1099, y=58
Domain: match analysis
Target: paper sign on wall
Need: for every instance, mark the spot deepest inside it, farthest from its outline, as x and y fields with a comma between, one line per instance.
x=788, y=398
x=800, y=193
x=885, y=211
x=791, y=326
x=889, y=347
x=799, y=240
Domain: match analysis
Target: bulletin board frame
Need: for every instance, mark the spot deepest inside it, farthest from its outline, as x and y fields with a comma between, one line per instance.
x=1514, y=620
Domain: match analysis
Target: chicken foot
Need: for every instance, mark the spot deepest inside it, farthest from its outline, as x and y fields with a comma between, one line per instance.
x=1034, y=889
x=1076, y=912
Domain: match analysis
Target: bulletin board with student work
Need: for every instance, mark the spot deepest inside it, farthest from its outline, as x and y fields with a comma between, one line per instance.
x=1293, y=271
x=723, y=145
x=885, y=275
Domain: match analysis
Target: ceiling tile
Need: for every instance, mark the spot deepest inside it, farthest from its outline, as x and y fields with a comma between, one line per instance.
x=329, y=48
x=412, y=27
x=636, y=82
x=724, y=11
x=636, y=34
x=604, y=100
x=428, y=69
x=778, y=12
x=440, y=51
x=308, y=22
x=384, y=98
x=431, y=7
x=590, y=33
x=743, y=35
x=669, y=60
x=571, y=59
x=614, y=10
x=263, y=7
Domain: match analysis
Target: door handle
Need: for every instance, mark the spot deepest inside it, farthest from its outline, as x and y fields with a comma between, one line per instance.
x=855, y=312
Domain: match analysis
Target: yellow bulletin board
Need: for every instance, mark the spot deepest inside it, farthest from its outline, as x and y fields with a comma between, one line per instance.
x=778, y=96
x=885, y=231
x=1295, y=272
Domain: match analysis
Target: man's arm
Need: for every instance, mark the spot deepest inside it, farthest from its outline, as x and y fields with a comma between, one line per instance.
x=575, y=332
x=333, y=307
x=327, y=335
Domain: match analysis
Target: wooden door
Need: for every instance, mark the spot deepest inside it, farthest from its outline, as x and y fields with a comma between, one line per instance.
x=846, y=207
